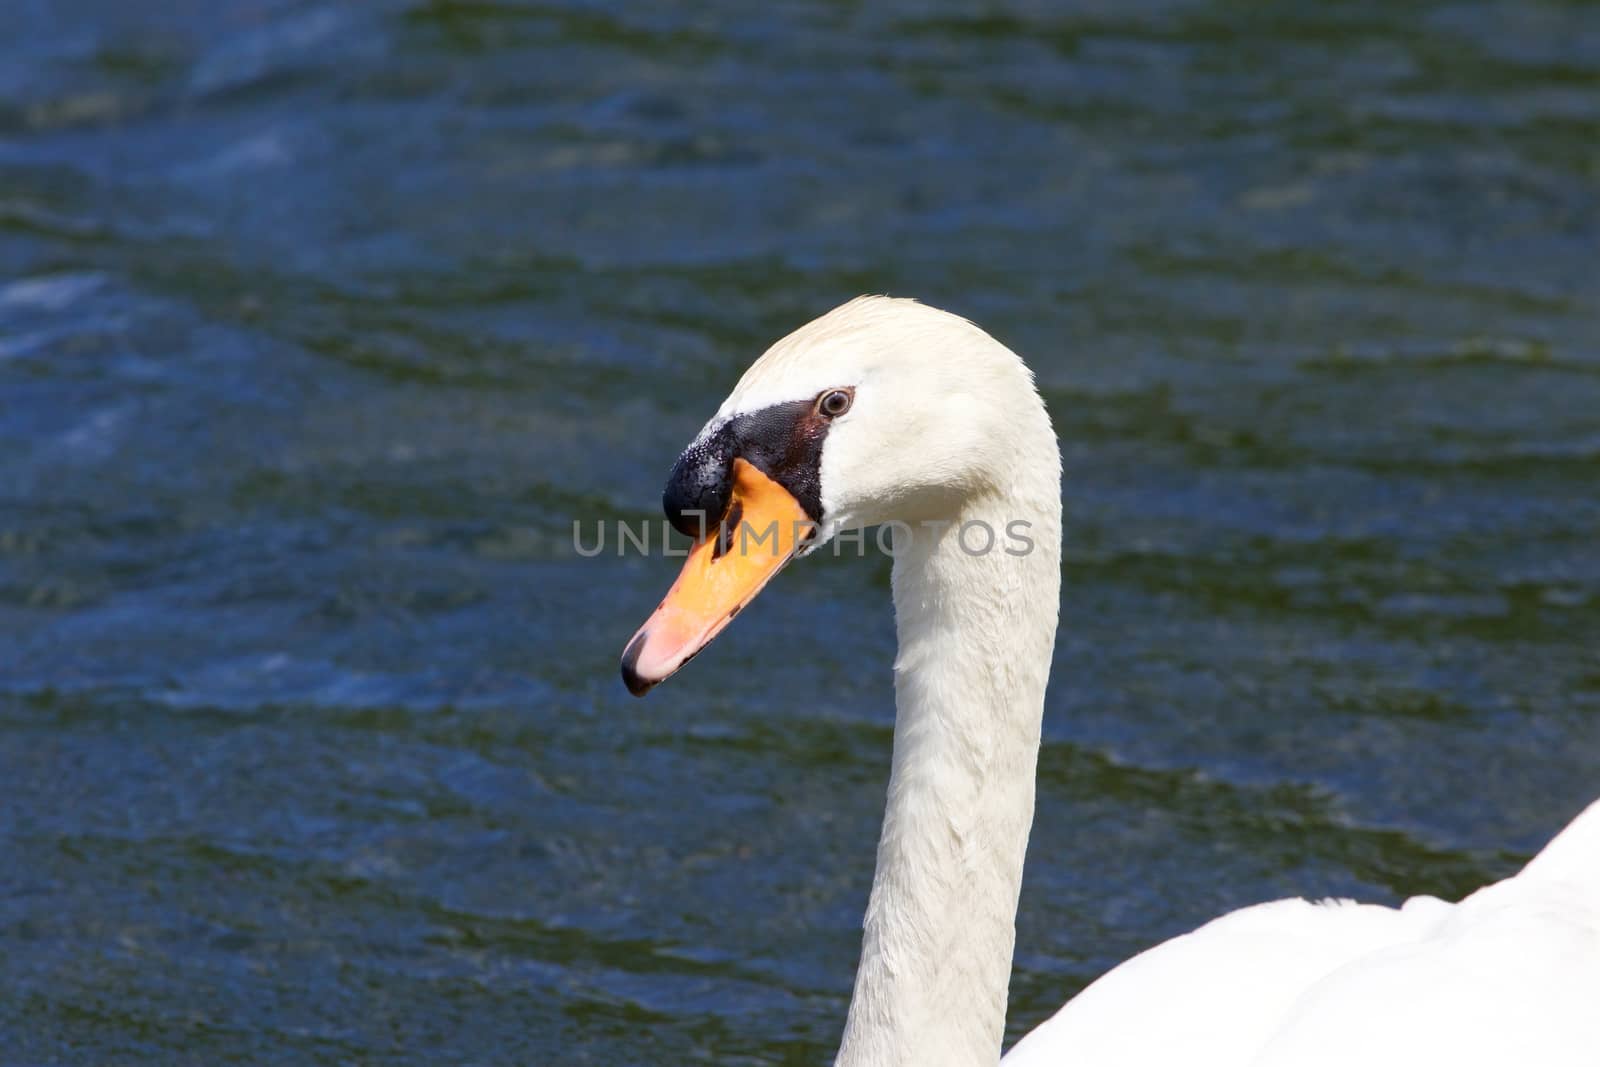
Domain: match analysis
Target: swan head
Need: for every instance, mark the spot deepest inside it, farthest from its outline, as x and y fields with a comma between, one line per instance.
x=883, y=410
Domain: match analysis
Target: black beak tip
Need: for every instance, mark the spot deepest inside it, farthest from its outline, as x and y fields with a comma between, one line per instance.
x=637, y=685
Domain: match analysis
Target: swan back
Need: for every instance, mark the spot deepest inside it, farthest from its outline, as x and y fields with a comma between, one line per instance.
x=1511, y=974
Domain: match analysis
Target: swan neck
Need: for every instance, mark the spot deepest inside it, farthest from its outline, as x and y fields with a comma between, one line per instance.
x=976, y=631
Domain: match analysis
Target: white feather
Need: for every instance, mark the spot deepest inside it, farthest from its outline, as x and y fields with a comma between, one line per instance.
x=947, y=428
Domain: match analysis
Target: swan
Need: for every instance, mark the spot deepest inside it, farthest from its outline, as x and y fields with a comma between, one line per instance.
x=887, y=411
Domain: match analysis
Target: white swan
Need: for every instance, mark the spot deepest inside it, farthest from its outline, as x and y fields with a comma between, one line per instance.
x=888, y=411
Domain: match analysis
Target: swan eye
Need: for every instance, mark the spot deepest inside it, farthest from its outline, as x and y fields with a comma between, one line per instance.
x=834, y=403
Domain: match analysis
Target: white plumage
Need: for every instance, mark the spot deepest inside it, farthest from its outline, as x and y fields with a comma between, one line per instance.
x=1510, y=975
x=947, y=428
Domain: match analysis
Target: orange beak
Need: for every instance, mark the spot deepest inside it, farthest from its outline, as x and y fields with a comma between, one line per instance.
x=764, y=527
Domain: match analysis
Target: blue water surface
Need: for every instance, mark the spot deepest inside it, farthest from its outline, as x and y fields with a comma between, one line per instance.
x=320, y=323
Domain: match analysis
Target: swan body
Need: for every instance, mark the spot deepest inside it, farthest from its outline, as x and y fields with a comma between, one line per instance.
x=890, y=412
x=1510, y=975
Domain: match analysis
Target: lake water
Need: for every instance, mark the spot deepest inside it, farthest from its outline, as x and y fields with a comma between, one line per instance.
x=320, y=323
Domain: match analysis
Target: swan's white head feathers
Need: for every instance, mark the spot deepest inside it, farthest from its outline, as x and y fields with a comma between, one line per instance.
x=881, y=411
x=940, y=411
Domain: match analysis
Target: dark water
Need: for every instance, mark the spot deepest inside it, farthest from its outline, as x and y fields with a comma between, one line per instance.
x=321, y=322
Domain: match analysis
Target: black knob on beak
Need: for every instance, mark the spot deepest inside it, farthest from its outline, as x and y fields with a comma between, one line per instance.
x=699, y=487
x=783, y=441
